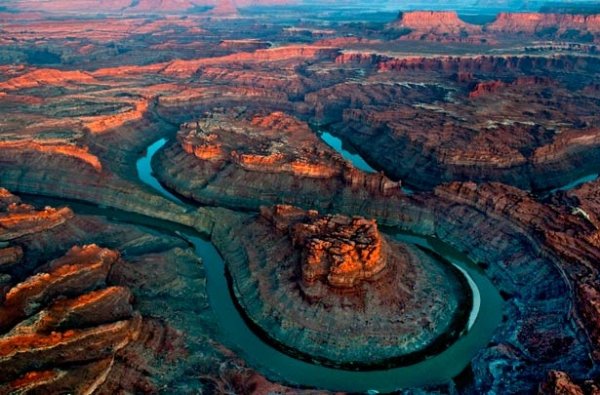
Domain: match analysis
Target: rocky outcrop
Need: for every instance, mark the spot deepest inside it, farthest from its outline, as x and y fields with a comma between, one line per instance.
x=424, y=112
x=447, y=26
x=484, y=88
x=42, y=77
x=52, y=148
x=339, y=251
x=546, y=154
x=77, y=319
x=547, y=237
x=491, y=63
x=104, y=123
x=22, y=219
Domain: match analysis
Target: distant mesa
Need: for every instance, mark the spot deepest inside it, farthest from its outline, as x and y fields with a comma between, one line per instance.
x=439, y=22
x=449, y=23
x=537, y=22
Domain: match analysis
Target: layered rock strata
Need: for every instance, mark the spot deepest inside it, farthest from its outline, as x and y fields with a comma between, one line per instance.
x=447, y=26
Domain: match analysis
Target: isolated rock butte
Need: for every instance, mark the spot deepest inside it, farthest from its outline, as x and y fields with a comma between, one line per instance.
x=338, y=250
x=332, y=289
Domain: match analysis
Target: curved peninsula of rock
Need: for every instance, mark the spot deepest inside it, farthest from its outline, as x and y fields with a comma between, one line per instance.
x=303, y=280
x=269, y=159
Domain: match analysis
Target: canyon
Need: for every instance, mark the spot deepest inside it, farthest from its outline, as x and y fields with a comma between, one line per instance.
x=243, y=197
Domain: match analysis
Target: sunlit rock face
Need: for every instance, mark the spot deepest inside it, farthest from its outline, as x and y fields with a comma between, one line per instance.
x=339, y=251
x=529, y=22
x=440, y=22
x=446, y=26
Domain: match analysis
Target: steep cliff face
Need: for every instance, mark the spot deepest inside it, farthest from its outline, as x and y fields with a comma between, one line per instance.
x=42, y=77
x=293, y=53
x=448, y=27
x=64, y=324
x=487, y=64
x=415, y=122
x=539, y=283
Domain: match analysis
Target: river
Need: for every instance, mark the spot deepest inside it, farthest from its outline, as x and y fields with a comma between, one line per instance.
x=351, y=155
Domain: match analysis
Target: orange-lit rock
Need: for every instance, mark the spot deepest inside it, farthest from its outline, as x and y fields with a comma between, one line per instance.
x=84, y=378
x=80, y=153
x=210, y=141
x=82, y=269
x=104, y=123
x=339, y=250
x=7, y=199
x=93, y=308
x=42, y=77
x=292, y=53
x=19, y=353
x=272, y=158
x=488, y=87
x=436, y=22
x=304, y=278
x=20, y=219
